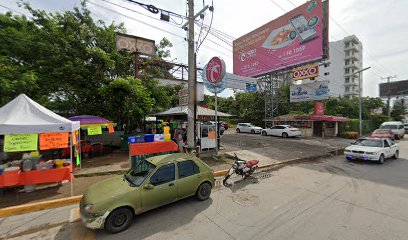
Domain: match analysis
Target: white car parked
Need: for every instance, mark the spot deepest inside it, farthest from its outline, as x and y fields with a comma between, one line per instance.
x=248, y=127
x=397, y=128
x=282, y=131
x=372, y=149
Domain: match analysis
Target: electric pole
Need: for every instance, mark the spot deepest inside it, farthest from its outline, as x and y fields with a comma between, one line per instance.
x=191, y=75
x=389, y=95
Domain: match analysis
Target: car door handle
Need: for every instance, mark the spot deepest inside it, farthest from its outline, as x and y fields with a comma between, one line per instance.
x=171, y=184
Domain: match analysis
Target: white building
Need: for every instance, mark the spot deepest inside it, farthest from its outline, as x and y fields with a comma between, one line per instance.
x=346, y=58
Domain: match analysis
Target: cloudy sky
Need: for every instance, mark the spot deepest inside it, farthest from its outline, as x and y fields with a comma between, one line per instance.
x=381, y=26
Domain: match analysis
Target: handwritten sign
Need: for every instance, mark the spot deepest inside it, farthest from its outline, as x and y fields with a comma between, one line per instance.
x=94, y=130
x=20, y=142
x=110, y=128
x=53, y=140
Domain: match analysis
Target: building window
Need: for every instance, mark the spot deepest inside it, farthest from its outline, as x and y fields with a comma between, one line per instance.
x=347, y=80
x=326, y=73
x=347, y=71
x=347, y=89
x=347, y=45
x=347, y=62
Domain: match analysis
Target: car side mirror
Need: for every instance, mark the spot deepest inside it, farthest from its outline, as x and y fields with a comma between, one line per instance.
x=352, y=143
x=148, y=186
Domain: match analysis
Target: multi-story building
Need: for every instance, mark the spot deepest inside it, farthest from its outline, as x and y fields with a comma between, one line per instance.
x=345, y=58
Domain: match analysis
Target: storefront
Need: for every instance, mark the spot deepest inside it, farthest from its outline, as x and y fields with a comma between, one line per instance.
x=311, y=125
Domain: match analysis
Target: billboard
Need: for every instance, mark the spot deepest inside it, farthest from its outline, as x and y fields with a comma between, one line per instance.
x=135, y=44
x=308, y=71
x=394, y=89
x=309, y=92
x=290, y=40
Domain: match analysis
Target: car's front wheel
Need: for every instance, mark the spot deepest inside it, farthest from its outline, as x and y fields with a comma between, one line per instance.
x=381, y=159
x=119, y=220
x=203, y=191
x=252, y=131
x=238, y=131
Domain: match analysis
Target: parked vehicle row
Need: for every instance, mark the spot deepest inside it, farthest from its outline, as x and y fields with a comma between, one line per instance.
x=397, y=128
x=277, y=130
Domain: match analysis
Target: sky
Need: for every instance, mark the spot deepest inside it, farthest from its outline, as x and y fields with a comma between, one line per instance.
x=380, y=25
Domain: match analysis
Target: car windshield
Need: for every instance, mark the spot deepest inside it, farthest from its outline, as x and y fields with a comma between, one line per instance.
x=369, y=143
x=382, y=131
x=138, y=174
x=388, y=127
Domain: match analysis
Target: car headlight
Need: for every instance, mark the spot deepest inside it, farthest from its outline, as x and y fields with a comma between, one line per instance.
x=88, y=208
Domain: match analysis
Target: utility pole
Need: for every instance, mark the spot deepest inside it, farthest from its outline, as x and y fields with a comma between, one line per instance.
x=389, y=95
x=192, y=100
x=191, y=75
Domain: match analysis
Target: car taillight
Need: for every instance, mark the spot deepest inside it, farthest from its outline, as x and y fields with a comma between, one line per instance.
x=293, y=130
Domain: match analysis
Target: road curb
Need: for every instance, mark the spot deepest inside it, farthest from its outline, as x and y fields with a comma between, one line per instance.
x=38, y=206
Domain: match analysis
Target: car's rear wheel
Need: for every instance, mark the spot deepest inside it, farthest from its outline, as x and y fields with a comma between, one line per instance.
x=238, y=131
x=397, y=137
x=252, y=131
x=396, y=155
x=381, y=159
x=119, y=220
x=203, y=191
x=285, y=135
x=264, y=133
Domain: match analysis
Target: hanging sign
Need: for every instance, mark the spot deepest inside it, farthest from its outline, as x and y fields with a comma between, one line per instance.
x=20, y=142
x=53, y=140
x=110, y=128
x=94, y=130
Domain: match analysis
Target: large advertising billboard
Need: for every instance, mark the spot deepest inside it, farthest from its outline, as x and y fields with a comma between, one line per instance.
x=394, y=89
x=290, y=40
x=309, y=92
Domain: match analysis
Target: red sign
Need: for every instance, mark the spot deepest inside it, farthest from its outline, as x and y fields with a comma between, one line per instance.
x=292, y=39
x=319, y=109
x=215, y=70
x=307, y=71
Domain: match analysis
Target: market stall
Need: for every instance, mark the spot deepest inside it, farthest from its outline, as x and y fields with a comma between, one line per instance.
x=29, y=128
x=206, y=133
x=92, y=131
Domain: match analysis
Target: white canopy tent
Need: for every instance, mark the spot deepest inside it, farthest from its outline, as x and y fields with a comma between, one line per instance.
x=23, y=115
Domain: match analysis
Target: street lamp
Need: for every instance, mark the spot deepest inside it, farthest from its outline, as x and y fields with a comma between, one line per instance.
x=359, y=98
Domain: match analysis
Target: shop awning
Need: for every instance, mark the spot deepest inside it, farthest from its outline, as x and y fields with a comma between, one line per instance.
x=23, y=115
x=201, y=111
x=90, y=120
x=328, y=118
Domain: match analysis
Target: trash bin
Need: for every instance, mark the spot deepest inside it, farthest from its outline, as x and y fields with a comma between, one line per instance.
x=124, y=144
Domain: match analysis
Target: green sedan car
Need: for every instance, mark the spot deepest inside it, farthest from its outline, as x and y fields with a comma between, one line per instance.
x=154, y=182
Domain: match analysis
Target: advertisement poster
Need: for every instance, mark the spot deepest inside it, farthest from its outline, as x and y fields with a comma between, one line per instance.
x=289, y=40
x=309, y=92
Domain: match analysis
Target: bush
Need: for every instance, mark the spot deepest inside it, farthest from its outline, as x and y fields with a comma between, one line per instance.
x=349, y=135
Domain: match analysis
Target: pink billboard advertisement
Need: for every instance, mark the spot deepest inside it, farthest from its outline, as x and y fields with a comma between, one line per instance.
x=289, y=40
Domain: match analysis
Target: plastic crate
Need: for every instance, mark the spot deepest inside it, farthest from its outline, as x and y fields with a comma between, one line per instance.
x=132, y=139
x=149, y=137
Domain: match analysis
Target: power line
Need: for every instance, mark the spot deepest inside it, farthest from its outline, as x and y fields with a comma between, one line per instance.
x=11, y=9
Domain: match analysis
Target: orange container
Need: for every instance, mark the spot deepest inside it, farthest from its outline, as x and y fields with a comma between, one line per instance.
x=166, y=130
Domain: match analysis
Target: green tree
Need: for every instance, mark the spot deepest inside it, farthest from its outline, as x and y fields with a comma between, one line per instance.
x=398, y=110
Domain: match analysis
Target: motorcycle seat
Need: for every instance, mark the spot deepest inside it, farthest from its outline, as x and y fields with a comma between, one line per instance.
x=251, y=163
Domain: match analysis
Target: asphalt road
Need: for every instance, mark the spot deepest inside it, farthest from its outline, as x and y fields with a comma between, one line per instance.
x=329, y=199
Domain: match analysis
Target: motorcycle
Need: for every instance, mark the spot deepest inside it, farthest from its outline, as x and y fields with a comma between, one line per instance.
x=240, y=167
